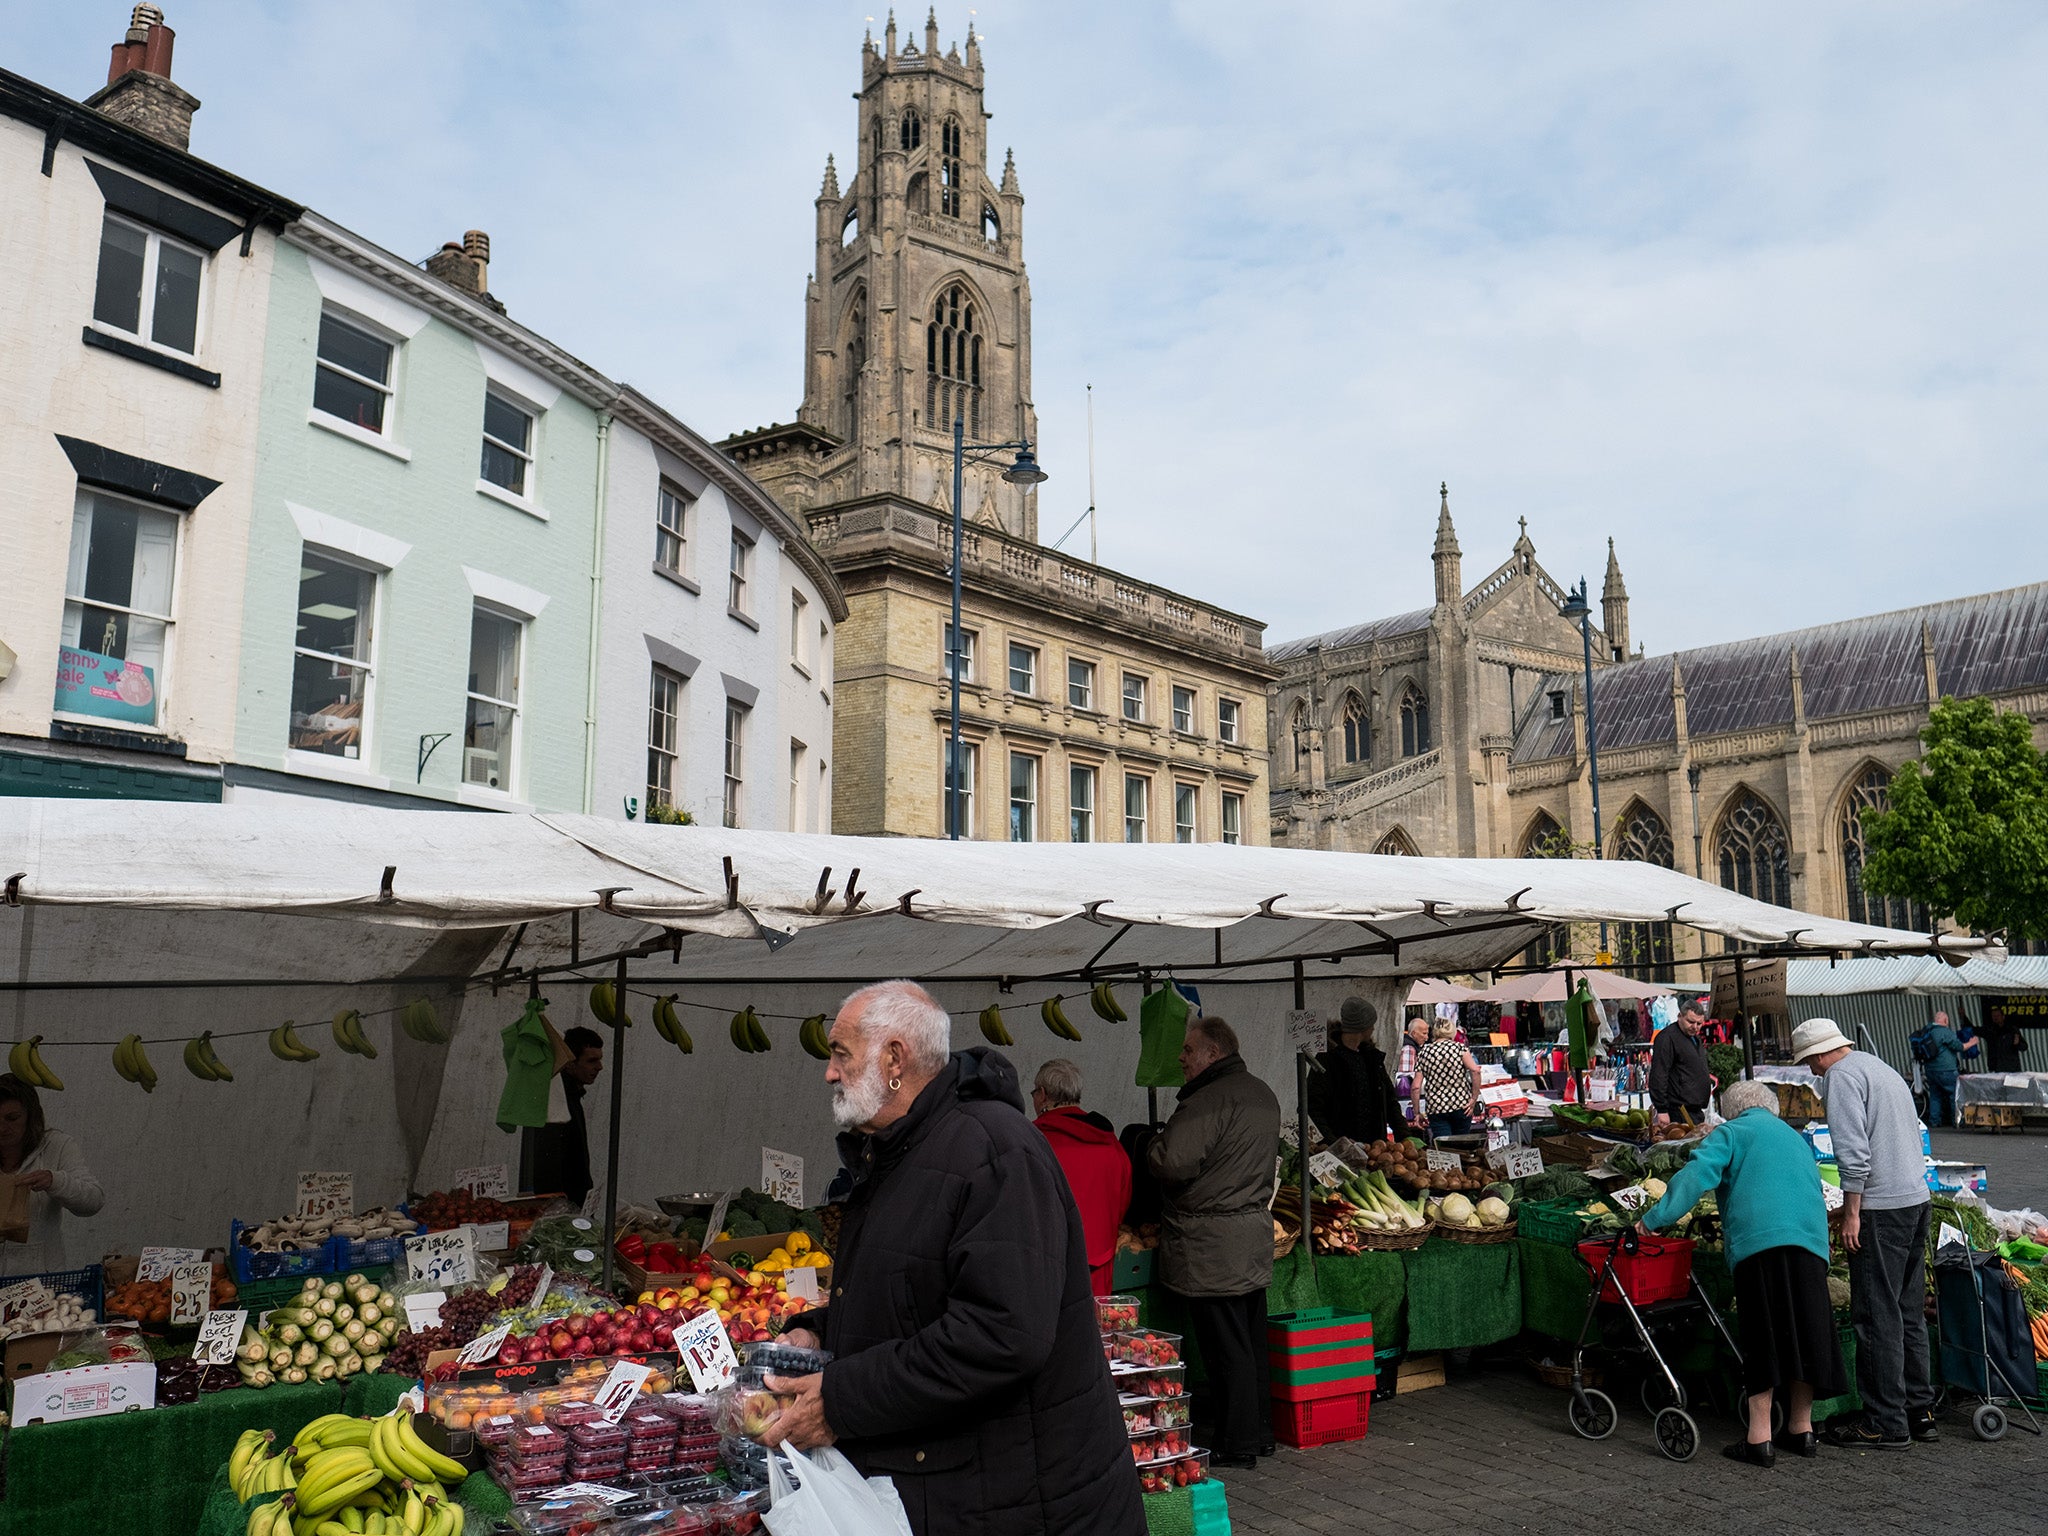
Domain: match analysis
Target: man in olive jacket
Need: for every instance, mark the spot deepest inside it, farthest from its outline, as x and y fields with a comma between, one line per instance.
x=1214, y=1162
x=967, y=1365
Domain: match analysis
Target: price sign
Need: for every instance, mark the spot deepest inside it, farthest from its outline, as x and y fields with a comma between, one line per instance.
x=491, y=1236
x=1327, y=1168
x=1450, y=1162
x=157, y=1263
x=327, y=1194
x=1305, y=1032
x=1633, y=1198
x=540, y=1287
x=446, y=1258
x=620, y=1388
x=30, y=1298
x=2017, y=1080
x=484, y=1346
x=707, y=1352
x=219, y=1336
x=715, y=1223
x=590, y=1491
x=1949, y=1235
x=489, y=1183
x=191, y=1289
x=1496, y=1157
x=1524, y=1162
x=423, y=1310
x=803, y=1284
x=782, y=1176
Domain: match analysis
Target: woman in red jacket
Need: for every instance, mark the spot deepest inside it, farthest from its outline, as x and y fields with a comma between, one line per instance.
x=1097, y=1170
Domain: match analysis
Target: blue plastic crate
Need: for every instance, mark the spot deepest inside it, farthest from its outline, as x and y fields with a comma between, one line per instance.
x=248, y=1264
x=377, y=1253
x=87, y=1284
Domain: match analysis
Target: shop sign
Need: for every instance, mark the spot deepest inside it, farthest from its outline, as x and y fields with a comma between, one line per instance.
x=105, y=686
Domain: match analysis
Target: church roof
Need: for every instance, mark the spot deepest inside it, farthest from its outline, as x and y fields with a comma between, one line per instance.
x=1993, y=643
x=1357, y=634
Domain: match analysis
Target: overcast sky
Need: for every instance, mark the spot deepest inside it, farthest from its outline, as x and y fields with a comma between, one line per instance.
x=1753, y=288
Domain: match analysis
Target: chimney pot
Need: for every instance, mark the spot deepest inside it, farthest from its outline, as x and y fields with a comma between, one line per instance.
x=476, y=244
x=139, y=90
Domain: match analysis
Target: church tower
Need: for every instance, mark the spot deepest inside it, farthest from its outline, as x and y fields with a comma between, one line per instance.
x=918, y=310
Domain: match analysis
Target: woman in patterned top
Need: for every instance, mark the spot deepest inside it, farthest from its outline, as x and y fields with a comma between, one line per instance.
x=1446, y=1082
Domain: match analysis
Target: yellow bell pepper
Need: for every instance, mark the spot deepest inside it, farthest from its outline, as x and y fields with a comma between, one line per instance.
x=799, y=1243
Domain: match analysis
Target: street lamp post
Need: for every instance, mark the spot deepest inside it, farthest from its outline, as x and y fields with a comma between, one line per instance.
x=1024, y=471
x=1577, y=609
x=1692, y=779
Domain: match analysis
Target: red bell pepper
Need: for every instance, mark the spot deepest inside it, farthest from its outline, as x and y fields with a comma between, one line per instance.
x=664, y=1258
x=632, y=1246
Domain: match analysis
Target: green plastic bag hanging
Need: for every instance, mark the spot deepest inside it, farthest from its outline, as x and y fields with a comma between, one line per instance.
x=1162, y=1028
x=1578, y=1011
x=529, y=1068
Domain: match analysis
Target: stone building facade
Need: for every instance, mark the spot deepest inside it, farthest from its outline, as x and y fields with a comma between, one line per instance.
x=1462, y=729
x=1095, y=706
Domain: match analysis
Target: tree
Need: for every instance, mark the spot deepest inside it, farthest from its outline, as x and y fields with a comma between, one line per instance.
x=1967, y=827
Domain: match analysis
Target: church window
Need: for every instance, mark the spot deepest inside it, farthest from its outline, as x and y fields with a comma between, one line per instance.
x=1755, y=853
x=949, y=168
x=1643, y=949
x=1414, y=722
x=1397, y=843
x=912, y=134
x=1872, y=792
x=1545, y=839
x=991, y=225
x=1297, y=732
x=856, y=360
x=952, y=361
x=914, y=194
x=850, y=230
x=1357, y=730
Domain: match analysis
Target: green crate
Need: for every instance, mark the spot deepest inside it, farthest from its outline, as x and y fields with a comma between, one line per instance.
x=1549, y=1221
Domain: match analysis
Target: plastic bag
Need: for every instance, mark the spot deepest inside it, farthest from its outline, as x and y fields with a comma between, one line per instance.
x=823, y=1494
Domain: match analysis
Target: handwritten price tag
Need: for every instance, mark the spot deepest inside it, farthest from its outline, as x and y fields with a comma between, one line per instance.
x=1305, y=1032
x=30, y=1298
x=1524, y=1162
x=489, y=1183
x=327, y=1194
x=1450, y=1162
x=484, y=1346
x=219, y=1336
x=706, y=1350
x=1327, y=1168
x=1633, y=1198
x=803, y=1284
x=540, y=1286
x=157, y=1263
x=782, y=1176
x=491, y=1236
x=715, y=1224
x=191, y=1289
x=445, y=1258
x=620, y=1388
x=423, y=1310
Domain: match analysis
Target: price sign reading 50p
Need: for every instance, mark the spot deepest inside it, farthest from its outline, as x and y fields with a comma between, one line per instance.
x=444, y=1258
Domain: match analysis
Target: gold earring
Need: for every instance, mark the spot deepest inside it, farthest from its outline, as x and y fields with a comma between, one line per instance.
x=895, y=1083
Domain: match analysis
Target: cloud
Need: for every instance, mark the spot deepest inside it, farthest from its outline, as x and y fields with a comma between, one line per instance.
x=1752, y=288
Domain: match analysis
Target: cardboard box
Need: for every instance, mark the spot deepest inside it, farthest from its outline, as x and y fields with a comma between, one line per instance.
x=758, y=1248
x=1131, y=1270
x=31, y=1353
x=87, y=1392
x=1419, y=1371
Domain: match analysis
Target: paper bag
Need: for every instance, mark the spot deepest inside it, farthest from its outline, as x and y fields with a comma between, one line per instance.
x=14, y=1196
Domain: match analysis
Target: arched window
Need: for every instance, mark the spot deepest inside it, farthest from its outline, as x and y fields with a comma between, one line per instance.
x=1545, y=839
x=1357, y=730
x=912, y=133
x=850, y=230
x=856, y=359
x=1297, y=735
x=949, y=168
x=1643, y=949
x=1756, y=855
x=952, y=362
x=1414, y=722
x=914, y=194
x=1396, y=842
x=991, y=223
x=1872, y=792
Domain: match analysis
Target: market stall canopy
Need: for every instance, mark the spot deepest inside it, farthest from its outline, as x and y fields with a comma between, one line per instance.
x=1920, y=975
x=1556, y=986
x=334, y=892
x=1431, y=990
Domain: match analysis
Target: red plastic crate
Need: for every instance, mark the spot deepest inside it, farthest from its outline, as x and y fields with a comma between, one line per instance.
x=1321, y=1420
x=1660, y=1270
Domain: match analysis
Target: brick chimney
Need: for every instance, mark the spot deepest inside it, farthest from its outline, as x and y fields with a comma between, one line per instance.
x=139, y=91
x=466, y=266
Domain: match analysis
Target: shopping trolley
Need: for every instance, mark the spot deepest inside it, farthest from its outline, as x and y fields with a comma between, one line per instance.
x=1987, y=1347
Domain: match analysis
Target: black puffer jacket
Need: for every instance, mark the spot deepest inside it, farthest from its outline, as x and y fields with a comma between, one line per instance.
x=968, y=1363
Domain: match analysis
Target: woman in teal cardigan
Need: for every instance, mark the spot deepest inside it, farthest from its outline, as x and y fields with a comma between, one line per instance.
x=1775, y=1222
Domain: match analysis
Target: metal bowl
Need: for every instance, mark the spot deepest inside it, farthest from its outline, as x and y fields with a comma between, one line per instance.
x=697, y=1204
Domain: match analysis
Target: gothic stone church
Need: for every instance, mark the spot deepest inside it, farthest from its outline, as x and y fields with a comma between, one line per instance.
x=1460, y=729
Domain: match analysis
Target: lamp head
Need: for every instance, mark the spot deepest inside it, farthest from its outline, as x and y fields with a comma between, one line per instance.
x=1576, y=608
x=1025, y=471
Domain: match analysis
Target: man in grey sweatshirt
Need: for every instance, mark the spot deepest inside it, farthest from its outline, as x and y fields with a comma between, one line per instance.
x=1884, y=1226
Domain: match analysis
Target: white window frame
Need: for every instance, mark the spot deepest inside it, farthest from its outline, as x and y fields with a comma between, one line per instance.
x=1229, y=721
x=664, y=731
x=1143, y=700
x=529, y=456
x=1086, y=688
x=665, y=493
x=509, y=759
x=1029, y=804
x=739, y=575
x=1233, y=817
x=970, y=757
x=1186, y=720
x=1189, y=797
x=389, y=390
x=799, y=633
x=797, y=753
x=365, y=746
x=165, y=672
x=1031, y=655
x=1081, y=817
x=735, y=760
x=145, y=322
x=969, y=649
x=1142, y=822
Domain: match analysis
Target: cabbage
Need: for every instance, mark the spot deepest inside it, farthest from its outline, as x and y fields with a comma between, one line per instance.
x=1456, y=1208
x=1493, y=1212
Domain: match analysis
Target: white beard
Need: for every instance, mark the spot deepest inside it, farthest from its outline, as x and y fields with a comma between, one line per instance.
x=857, y=1103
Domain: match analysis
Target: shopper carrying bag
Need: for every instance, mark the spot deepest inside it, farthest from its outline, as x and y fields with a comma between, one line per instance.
x=821, y=1493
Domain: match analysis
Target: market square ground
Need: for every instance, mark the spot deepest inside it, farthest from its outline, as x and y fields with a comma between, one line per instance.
x=1491, y=1451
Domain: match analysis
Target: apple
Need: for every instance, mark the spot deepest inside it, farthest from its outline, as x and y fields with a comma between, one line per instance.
x=580, y=1348
x=576, y=1323
x=649, y=1315
x=559, y=1342
x=511, y=1352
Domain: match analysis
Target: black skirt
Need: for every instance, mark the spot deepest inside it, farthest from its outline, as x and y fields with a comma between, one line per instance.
x=1788, y=1325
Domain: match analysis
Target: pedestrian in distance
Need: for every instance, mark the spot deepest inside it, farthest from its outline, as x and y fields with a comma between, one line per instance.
x=1351, y=1093
x=51, y=1165
x=1446, y=1082
x=967, y=1365
x=1098, y=1169
x=558, y=1154
x=1413, y=1039
x=1681, y=1082
x=1214, y=1163
x=1884, y=1227
x=1775, y=1222
x=1939, y=1050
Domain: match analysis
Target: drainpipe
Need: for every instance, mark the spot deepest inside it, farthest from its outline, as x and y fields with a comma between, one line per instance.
x=604, y=460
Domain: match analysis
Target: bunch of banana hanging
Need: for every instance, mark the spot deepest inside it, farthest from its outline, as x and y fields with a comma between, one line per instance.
x=133, y=1064
x=286, y=1045
x=203, y=1064
x=1103, y=1000
x=348, y=1034
x=26, y=1062
x=1056, y=1019
x=993, y=1030
x=607, y=1006
x=669, y=1026
x=811, y=1036
x=420, y=1022
x=747, y=1032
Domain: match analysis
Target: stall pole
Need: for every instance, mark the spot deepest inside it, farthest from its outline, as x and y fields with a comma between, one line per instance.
x=1742, y=1013
x=1151, y=1106
x=611, y=1156
x=1308, y=1241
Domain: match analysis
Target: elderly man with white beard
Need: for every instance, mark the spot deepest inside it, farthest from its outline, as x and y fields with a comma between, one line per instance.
x=967, y=1365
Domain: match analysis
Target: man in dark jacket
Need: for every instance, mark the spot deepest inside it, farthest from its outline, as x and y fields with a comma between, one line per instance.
x=1214, y=1162
x=1679, y=1076
x=558, y=1154
x=1352, y=1095
x=967, y=1362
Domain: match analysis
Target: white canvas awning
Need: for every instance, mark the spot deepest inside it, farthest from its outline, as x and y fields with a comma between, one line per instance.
x=1919, y=975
